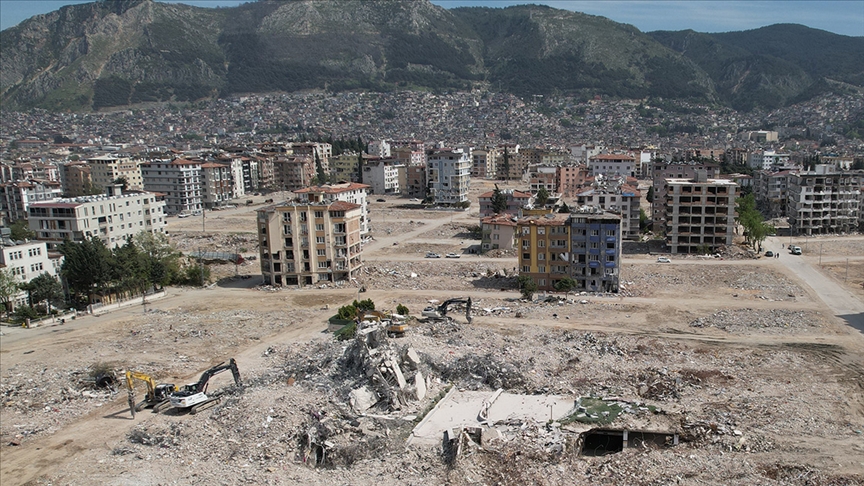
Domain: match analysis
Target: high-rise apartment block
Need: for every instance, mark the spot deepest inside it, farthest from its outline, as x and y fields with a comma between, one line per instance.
x=823, y=201
x=448, y=174
x=700, y=213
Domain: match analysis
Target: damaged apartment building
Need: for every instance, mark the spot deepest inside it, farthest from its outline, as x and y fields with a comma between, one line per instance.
x=584, y=245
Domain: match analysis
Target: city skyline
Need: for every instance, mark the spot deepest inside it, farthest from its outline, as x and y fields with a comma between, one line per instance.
x=839, y=17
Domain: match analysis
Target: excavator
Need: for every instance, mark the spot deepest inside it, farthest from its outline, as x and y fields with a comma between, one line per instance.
x=156, y=394
x=441, y=311
x=194, y=396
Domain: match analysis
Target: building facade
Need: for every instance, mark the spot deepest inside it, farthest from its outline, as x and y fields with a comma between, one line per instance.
x=448, y=174
x=700, y=214
x=823, y=202
x=351, y=192
x=672, y=170
x=105, y=169
x=26, y=261
x=595, y=249
x=498, y=232
x=543, y=246
x=616, y=197
x=310, y=244
x=179, y=180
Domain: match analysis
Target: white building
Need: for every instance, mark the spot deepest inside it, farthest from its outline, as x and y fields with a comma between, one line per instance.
x=16, y=197
x=612, y=165
x=383, y=176
x=113, y=219
x=179, y=180
x=763, y=160
x=448, y=173
x=378, y=148
x=352, y=192
x=26, y=261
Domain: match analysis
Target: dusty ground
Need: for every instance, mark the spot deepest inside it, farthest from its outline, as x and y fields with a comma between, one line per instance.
x=742, y=357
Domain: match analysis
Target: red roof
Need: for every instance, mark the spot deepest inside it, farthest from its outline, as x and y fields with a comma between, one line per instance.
x=343, y=206
x=612, y=157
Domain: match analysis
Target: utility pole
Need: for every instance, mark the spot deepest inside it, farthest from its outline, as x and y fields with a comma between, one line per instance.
x=203, y=221
x=820, y=253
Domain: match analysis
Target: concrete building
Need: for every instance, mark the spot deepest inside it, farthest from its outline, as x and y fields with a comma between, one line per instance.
x=216, y=184
x=317, y=151
x=771, y=189
x=309, y=244
x=612, y=165
x=113, y=219
x=352, y=192
x=498, y=232
x=448, y=175
x=543, y=176
x=823, y=201
x=345, y=167
x=570, y=178
x=16, y=197
x=416, y=181
x=543, y=246
x=76, y=179
x=595, y=249
x=26, y=261
x=516, y=200
x=673, y=170
x=760, y=136
x=615, y=196
x=382, y=176
x=700, y=213
x=484, y=163
x=105, y=169
x=764, y=160
x=378, y=148
x=293, y=172
x=179, y=180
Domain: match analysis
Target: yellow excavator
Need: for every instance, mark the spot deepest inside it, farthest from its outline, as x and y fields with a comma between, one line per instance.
x=156, y=394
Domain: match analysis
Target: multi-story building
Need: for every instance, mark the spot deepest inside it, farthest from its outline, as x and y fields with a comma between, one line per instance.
x=543, y=246
x=484, y=163
x=378, y=148
x=344, y=167
x=595, y=249
x=113, y=219
x=764, y=160
x=16, y=197
x=448, y=174
x=416, y=181
x=519, y=162
x=823, y=201
x=498, y=232
x=293, y=172
x=612, y=165
x=179, y=180
x=543, y=176
x=106, y=169
x=352, y=192
x=310, y=243
x=700, y=213
x=216, y=184
x=770, y=189
x=516, y=200
x=26, y=261
x=382, y=175
x=672, y=170
x=409, y=155
x=570, y=179
x=615, y=196
x=75, y=179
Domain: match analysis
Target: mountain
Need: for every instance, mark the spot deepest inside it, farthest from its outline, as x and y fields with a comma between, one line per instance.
x=772, y=66
x=115, y=53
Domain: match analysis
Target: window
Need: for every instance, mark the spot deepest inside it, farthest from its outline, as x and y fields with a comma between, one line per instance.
x=319, y=227
x=526, y=268
x=595, y=232
x=595, y=245
x=319, y=214
x=526, y=256
x=541, y=244
x=610, y=258
x=541, y=282
x=541, y=269
x=319, y=239
x=610, y=232
x=541, y=231
x=324, y=264
x=594, y=258
x=321, y=252
x=541, y=256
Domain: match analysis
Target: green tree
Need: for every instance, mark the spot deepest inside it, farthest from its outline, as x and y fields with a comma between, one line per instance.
x=402, y=310
x=650, y=196
x=566, y=284
x=123, y=181
x=499, y=201
x=542, y=197
x=130, y=271
x=319, y=169
x=755, y=229
x=527, y=286
x=564, y=208
x=20, y=231
x=163, y=260
x=44, y=288
x=505, y=165
x=8, y=289
x=644, y=222
x=86, y=268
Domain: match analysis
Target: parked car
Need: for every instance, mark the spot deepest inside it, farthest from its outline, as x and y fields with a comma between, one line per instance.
x=663, y=260
x=795, y=250
x=432, y=255
x=381, y=200
x=769, y=253
x=453, y=255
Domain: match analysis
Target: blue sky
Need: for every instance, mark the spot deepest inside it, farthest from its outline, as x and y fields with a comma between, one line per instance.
x=841, y=17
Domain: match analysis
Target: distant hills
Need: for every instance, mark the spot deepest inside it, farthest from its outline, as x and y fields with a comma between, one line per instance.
x=117, y=53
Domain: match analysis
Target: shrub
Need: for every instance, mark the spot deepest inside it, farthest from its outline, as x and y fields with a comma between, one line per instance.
x=402, y=310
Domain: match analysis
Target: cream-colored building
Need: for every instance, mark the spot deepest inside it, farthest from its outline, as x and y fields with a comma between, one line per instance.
x=105, y=169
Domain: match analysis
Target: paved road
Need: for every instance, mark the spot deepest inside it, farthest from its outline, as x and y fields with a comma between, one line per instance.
x=842, y=302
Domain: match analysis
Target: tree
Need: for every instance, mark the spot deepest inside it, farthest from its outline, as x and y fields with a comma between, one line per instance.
x=755, y=230
x=124, y=183
x=360, y=166
x=20, y=231
x=163, y=260
x=8, y=289
x=499, y=201
x=319, y=169
x=402, y=310
x=505, y=165
x=564, y=208
x=644, y=222
x=86, y=267
x=527, y=286
x=44, y=288
x=650, y=196
x=566, y=284
x=542, y=197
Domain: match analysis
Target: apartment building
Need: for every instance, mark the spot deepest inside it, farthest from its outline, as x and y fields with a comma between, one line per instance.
x=352, y=192
x=595, y=249
x=673, y=170
x=344, y=167
x=700, y=213
x=823, y=201
x=520, y=161
x=448, y=175
x=543, y=176
x=612, y=165
x=317, y=151
x=179, y=180
x=543, y=246
x=771, y=189
x=484, y=163
x=310, y=244
x=498, y=232
x=291, y=173
x=16, y=197
x=765, y=159
x=113, y=219
x=382, y=176
x=26, y=261
x=75, y=179
x=516, y=200
x=217, y=185
x=416, y=181
x=615, y=196
x=570, y=179
x=409, y=155
x=105, y=169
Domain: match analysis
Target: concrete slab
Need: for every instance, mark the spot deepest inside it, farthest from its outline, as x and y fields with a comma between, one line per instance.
x=462, y=409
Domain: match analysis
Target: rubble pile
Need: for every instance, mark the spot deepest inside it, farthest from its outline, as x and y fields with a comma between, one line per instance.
x=651, y=280
x=764, y=320
x=737, y=252
x=436, y=276
x=768, y=285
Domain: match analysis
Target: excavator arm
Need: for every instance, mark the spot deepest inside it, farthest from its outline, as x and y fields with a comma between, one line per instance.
x=442, y=309
x=201, y=385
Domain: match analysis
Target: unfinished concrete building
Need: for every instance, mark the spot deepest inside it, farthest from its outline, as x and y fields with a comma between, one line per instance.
x=307, y=244
x=700, y=213
x=823, y=201
x=663, y=170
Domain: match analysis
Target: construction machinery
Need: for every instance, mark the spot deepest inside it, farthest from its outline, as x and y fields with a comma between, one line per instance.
x=194, y=396
x=440, y=312
x=156, y=394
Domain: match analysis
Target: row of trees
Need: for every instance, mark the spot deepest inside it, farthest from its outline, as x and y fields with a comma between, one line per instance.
x=755, y=229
